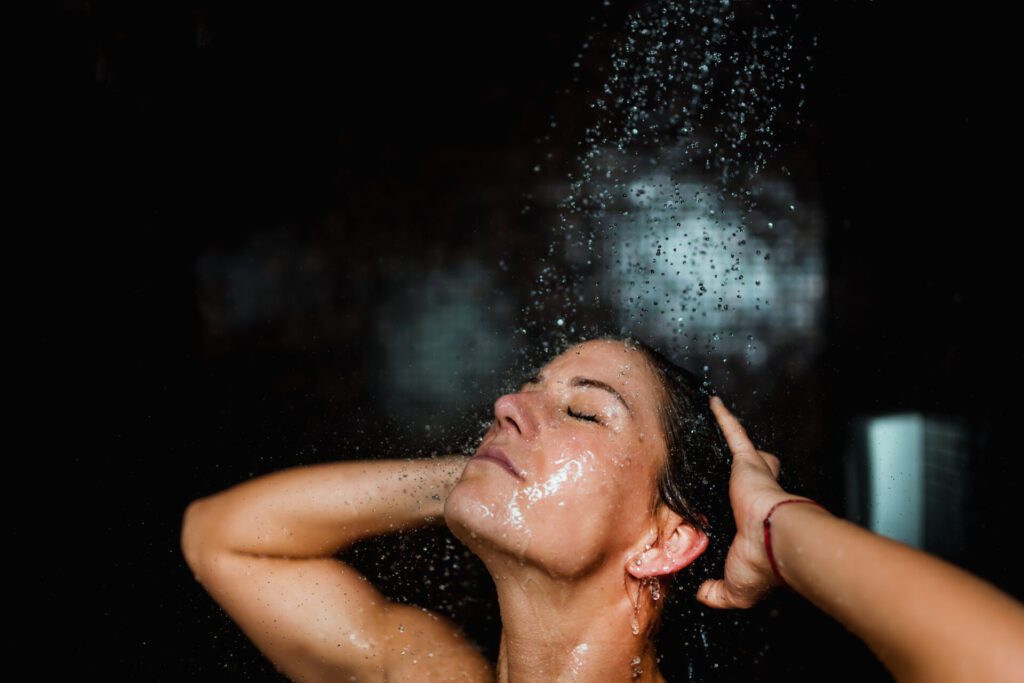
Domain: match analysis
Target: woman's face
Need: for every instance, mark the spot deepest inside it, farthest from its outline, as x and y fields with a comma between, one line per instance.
x=583, y=446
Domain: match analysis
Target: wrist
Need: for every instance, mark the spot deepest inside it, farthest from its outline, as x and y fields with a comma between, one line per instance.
x=446, y=472
x=771, y=550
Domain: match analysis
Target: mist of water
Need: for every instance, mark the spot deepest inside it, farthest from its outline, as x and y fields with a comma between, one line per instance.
x=668, y=213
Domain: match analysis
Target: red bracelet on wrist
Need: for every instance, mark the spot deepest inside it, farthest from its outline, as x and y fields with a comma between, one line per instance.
x=768, y=536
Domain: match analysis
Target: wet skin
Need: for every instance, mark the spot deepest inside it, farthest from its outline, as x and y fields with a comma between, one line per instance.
x=568, y=519
x=587, y=460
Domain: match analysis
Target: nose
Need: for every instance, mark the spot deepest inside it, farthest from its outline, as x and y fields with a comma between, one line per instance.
x=513, y=415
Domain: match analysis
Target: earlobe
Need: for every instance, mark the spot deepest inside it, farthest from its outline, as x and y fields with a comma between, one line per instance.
x=671, y=553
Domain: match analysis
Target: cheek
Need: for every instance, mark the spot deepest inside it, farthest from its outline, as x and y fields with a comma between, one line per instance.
x=585, y=511
x=583, y=492
x=568, y=477
x=585, y=504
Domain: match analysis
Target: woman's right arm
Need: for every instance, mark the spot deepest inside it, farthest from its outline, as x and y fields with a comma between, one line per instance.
x=264, y=550
x=924, y=618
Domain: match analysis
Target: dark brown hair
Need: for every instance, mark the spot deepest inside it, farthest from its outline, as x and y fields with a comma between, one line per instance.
x=695, y=479
x=694, y=482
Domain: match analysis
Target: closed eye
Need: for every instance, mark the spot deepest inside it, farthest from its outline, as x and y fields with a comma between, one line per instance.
x=581, y=416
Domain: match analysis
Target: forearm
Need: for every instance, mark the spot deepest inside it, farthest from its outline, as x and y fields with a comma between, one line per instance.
x=924, y=618
x=317, y=510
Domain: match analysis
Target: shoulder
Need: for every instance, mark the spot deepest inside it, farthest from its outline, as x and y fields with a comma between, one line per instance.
x=420, y=645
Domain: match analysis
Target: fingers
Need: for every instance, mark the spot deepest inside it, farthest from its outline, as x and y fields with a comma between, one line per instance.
x=715, y=593
x=712, y=593
x=773, y=462
x=735, y=434
x=737, y=439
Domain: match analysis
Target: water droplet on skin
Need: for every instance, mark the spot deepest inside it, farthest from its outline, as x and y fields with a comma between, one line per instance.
x=635, y=664
x=578, y=653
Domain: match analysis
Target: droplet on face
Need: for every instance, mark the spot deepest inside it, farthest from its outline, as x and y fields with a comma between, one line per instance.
x=635, y=664
x=570, y=471
x=515, y=515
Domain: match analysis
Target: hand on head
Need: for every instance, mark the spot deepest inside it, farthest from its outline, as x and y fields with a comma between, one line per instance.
x=753, y=490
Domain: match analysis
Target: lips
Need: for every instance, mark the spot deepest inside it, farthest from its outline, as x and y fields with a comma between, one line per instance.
x=498, y=457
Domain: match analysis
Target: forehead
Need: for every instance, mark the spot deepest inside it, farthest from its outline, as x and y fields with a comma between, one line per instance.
x=610, y=361
x=625, y=369
x=601, y=350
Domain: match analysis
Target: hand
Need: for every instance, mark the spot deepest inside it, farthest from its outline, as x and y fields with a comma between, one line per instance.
x=753, y=490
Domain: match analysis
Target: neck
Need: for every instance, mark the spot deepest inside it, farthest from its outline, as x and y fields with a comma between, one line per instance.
x=572, y=630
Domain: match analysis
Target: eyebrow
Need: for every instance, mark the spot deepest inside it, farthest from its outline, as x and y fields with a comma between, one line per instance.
x=586, y=382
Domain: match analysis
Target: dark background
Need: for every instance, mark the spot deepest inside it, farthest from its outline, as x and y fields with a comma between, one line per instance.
x=382, y=136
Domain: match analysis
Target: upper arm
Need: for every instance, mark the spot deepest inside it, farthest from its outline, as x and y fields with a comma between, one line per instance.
x=320, y=620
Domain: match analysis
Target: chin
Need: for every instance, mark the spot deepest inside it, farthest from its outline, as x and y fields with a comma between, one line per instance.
x=480, y=525
x=497, y=531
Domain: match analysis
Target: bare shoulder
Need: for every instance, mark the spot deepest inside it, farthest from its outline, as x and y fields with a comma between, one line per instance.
x=420, y=645
x=321, y=621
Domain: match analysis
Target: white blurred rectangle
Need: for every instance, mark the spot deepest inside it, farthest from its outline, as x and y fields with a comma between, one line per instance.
x=906, y=479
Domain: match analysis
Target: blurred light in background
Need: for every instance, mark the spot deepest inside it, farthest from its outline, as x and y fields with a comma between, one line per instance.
x=678, y=264
x=274, y=287
x=445, y=337
x=907, y=479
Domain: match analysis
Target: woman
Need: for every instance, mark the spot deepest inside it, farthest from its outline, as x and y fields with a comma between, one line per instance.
x=594, y=485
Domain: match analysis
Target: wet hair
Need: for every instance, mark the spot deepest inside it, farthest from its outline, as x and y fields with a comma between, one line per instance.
x=694, y=483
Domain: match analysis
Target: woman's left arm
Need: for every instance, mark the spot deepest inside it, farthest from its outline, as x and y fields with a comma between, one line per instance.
x=924, y=618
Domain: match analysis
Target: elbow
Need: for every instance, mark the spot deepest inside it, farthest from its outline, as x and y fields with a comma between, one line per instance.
x=192, y=535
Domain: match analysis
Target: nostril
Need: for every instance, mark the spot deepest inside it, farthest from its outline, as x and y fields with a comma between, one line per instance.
x=509, y=413
x=513, y=423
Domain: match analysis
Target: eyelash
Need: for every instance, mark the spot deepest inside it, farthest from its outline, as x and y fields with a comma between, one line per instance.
x=581, y=416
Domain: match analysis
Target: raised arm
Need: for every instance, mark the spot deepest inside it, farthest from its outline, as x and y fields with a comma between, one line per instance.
x=264, y=549
x=924, y=618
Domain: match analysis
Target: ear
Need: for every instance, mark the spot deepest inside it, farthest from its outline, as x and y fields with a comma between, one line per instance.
x=678, y=543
